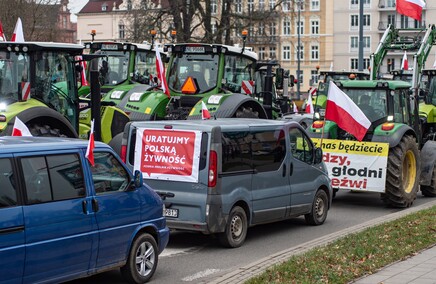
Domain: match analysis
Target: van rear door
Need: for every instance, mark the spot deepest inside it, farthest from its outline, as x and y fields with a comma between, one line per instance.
x=12, y=251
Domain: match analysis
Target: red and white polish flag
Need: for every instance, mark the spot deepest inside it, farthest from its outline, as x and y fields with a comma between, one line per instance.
x=205, y=114
x=294, y=107
x=411, y=8
x=18, y=35
x=342, y=110
x=2, y=34
x=91, y=145
x=405, y=62
x=161, y=72
x=20, y=129
x=309, y=104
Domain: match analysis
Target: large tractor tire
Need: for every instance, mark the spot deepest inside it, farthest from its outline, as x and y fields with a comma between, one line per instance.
x=44, y=131
x=403, y=171
x=244, y=112
x=430, y=190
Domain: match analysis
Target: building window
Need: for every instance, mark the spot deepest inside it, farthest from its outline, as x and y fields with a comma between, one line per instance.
x=366, y=63
x=391, y=3
x=261, y=5
x=314, y=76
x=286, y=4
x=238, y=6
x=261, y=53
x=272, y=4
x=404, y=22
x=214, y=28
x=272, y=29
x=354, y=41
x=391, y=64
x=314, y=27
x=366, y=21
x=354, y=64
x=214, y=6
x=301, y=77
x=64, y=22
x=391, y=20
x=354, y=22
x=367, y=42
x=299, y=28
x=314, y=5
x=301, y=52
x=261, y=29
x=272, y=52
x=314, y=52
x=286, y=27
x=286, y=52
x=121, y=29
x=250, y=5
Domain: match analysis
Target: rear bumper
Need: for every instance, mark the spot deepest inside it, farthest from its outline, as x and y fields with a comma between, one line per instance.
x=164, y=236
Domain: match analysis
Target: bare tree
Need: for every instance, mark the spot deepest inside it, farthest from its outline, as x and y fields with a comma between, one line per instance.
x=39, y=18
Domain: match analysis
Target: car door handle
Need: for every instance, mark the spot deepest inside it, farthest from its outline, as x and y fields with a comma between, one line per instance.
x=291, y=169
x=94, y=205
x=84, y=203
x=284, y=171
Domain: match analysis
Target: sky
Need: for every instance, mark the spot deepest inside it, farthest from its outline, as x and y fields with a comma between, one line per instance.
x=75, y=6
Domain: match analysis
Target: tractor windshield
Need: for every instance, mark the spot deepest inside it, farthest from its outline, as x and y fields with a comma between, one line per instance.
x=113, y=67
x=14, y=74
x=145, y=67
x=371, y=101
x=203, y=68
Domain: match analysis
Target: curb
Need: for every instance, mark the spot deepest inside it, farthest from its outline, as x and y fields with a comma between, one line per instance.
x=255, y=268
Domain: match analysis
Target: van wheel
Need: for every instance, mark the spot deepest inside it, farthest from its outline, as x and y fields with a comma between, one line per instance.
x=142, y=261
x=236, y=229
x=319, y=210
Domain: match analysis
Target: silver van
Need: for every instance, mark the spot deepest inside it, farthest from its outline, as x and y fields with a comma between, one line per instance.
x=222, y=176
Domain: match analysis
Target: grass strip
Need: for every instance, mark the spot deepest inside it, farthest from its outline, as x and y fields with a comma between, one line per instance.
x=357, y=254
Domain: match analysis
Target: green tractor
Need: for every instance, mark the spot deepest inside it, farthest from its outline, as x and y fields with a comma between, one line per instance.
x=121, y=66
x=38, y=84
x=394, y=115
x=324, y=79
x=222, y=77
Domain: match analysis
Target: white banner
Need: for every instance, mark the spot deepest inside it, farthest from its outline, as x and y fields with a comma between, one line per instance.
x=165, y=154
x=355, y=165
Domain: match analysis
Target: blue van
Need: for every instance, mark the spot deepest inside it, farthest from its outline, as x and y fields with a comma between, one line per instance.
x=63, y=219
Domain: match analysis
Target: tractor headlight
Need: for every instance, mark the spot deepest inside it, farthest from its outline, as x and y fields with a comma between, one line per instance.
x=2, y=107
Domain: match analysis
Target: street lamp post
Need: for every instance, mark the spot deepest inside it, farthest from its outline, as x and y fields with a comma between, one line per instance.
x=299, y=2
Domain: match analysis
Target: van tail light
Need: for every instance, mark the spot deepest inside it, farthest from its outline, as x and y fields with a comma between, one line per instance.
x=213, y=168
x=123, y=153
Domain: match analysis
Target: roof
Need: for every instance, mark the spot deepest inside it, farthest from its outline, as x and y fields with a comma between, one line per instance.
x=231, y=49
x=95, y=6
x=29, y=144
x=211, y=123
x=367, y=84
x=44, y=45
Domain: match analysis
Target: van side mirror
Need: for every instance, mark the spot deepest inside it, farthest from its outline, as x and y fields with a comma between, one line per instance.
x=138, y=179
x=318, y=155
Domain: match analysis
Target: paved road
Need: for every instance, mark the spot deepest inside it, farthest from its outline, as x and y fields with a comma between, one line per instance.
x=194, y=258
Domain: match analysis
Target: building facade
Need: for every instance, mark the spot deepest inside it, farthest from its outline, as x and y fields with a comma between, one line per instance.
x=326, y=31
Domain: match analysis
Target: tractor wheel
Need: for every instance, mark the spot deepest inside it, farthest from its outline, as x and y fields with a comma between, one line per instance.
x=45, y=131
x=430, y=190
x=402, y=176
x=244, y=112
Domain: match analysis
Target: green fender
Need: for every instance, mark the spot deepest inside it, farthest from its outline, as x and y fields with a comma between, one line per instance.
x=394, y=136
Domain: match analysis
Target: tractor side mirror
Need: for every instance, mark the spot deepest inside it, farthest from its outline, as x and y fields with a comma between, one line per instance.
x=279, y=78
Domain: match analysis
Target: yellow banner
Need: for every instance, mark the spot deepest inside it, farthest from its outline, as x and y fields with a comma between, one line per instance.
x=353, y=147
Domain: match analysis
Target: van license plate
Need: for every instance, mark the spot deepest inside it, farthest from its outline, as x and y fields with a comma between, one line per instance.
x=172, y=213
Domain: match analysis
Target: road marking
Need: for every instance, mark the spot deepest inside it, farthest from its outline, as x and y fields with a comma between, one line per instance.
x=168, y=252
x=200, y=274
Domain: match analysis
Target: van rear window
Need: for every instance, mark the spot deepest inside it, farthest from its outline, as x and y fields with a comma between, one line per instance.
x=253, y=150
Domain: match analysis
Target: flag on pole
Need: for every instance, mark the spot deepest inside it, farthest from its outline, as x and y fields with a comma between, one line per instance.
x=161, y=72
x=91, y=145
x=405, y=62
x=309, y=104
x=410, y=8
x=205, y=114
x=294, y=107
x=20, y=129
x=342, y=110
x=2, y=34
x=18, y=35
